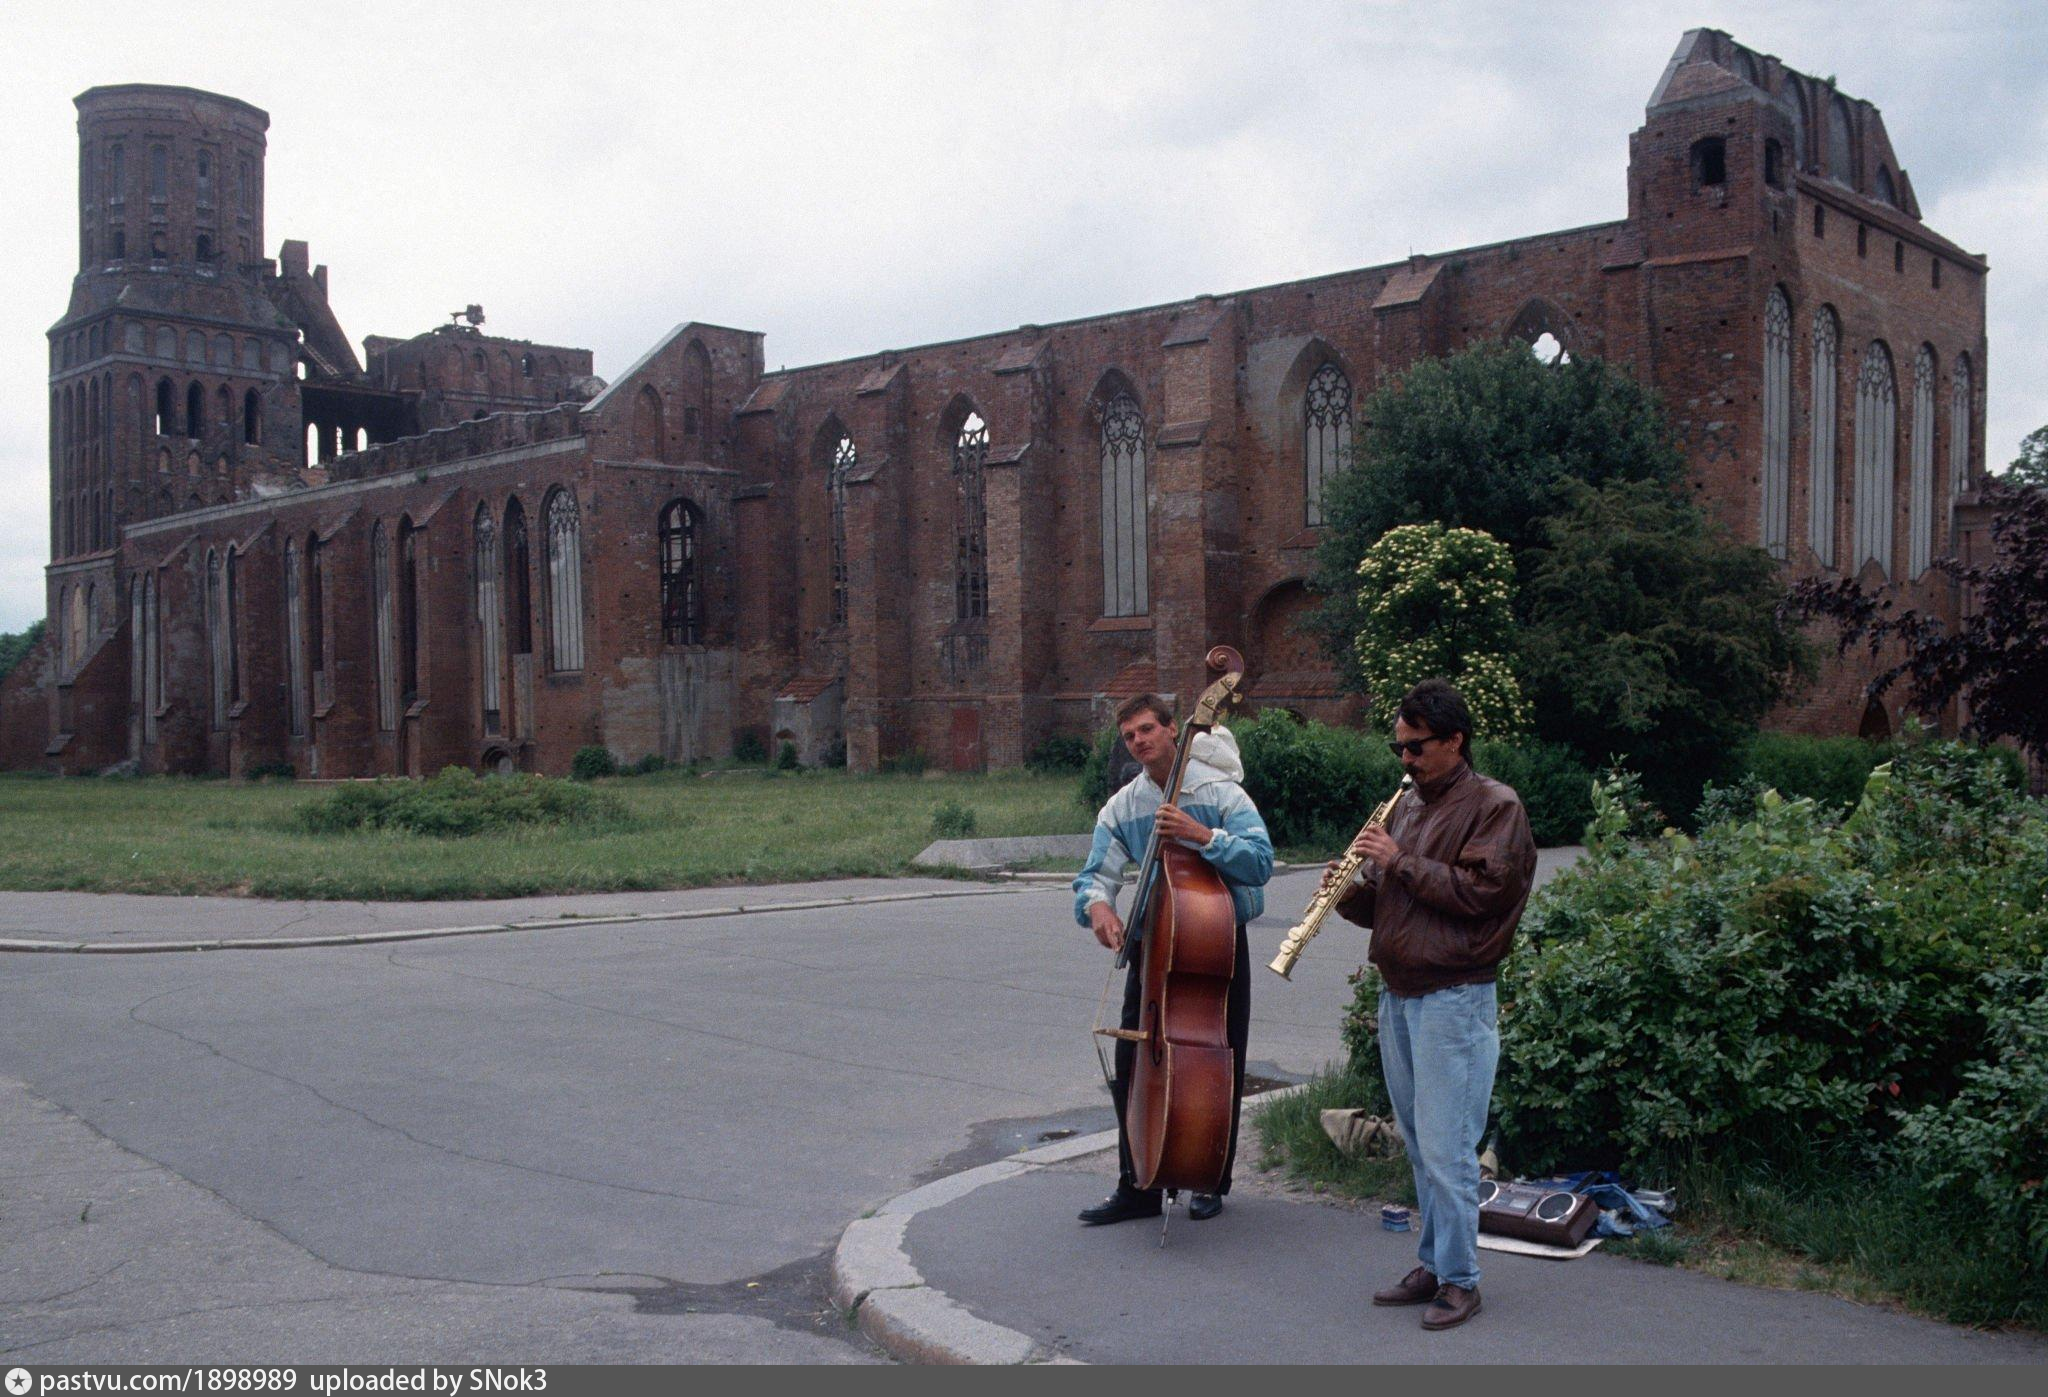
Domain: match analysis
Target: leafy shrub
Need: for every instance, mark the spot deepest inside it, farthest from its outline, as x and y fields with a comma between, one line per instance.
x=952, y=820
x=1313, y=783
x=1058, y=755
x=785, y=757
x=457, y=802
x=1831, y=771
x=649, y=764
x=910, y=763
x=1439, y=603
x=835, y=754
x=1555, y=786
x=1094, y=790
x=589, y=763
x=268, y=771
x=749, y=747
x=1783, y=982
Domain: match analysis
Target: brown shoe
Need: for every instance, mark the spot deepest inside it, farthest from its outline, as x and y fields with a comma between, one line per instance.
x=1453, y=1306
x=1416, y=1288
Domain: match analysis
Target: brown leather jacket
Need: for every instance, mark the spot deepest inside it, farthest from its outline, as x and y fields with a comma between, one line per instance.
x=1445, y=913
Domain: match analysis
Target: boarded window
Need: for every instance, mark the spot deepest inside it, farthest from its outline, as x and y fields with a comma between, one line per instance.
x=1920, y=483
x=1775, y=525
x=1877, y=421
x=1326, y=435
x=1126, y=582
x=565, y=581
x=1822, y=485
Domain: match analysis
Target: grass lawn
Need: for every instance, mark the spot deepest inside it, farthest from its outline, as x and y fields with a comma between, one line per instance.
x=172, y=835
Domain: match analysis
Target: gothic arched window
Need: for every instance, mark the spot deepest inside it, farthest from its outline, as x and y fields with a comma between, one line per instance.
x=490, y=624
x=1326, y=434
x=216, y=643
x=565, y=580
x=649, y=429
x=1877, y=421
x=518, y=581
x=682, y=605
x=970, y=520
x=252, y=419
x=1959, y=413
x=408, y=612
x=295, y=634
x=1126, y=579
x=1841, y=127
x=1920, y=483
x=195, y=411
x=844, y=459
x=1822, y=486
x=1777, y=463
x=382, y=606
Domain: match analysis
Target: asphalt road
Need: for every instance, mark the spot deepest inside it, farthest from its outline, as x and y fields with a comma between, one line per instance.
x=625, y=1142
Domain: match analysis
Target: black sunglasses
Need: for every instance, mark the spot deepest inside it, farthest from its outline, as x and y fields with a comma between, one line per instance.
x=1414, y=745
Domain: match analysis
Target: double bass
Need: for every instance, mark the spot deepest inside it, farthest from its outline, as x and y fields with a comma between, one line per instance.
x=1180, y=1102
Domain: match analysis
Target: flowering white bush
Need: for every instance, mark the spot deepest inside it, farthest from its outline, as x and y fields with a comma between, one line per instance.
x=1439, y=603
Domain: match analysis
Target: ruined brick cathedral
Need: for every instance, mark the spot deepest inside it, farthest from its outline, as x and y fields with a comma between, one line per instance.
x=466, y=549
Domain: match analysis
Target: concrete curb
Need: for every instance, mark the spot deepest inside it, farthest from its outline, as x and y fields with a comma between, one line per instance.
x=875, y=1282
x=358, y=938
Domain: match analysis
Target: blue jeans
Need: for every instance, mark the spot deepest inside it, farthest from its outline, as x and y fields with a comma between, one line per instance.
x=1438, y=1052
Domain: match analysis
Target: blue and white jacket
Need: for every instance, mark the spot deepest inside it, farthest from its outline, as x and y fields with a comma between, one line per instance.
x=1240, y=850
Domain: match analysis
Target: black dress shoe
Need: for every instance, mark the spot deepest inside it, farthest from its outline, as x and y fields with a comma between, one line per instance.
x=1122, y=1206
x=1203, y=1206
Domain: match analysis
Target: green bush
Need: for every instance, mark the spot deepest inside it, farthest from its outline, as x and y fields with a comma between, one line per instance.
x=589, y=763
x=1058, y=755
x=952, y=820
x=1831, y=771
x=1094, y=790
x=910, y=763
x=785, y=757
x=278, y=771
x=458, y=802
x=1555, y=786
x=649, y=764
x=750, y=748
x=1786, y=981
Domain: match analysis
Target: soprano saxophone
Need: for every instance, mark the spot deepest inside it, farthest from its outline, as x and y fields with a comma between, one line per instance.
x=1332, y=889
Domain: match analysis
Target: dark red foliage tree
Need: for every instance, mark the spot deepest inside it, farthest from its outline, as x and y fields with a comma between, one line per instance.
x=1997, y=658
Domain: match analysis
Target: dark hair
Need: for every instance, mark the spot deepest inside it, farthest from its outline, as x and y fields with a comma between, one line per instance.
x=1132, y=707
x=1436, y=705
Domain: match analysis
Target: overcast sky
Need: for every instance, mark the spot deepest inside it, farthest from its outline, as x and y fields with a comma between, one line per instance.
x=862, y=176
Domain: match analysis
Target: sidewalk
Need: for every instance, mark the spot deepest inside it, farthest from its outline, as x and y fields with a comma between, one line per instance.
x=130, y=923
x=990, y=1266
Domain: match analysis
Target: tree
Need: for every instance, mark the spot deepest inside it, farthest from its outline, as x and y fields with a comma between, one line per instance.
x=1486, y=439
x=16, y=645
x=1439, y=602
x=2030, y=467
x=1652, y=639
x=1997, y=657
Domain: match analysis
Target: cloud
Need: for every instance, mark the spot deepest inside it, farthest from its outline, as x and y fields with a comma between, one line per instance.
x=855, y=177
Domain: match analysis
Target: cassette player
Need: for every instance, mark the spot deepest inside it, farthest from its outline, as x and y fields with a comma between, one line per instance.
x=1536, y=1212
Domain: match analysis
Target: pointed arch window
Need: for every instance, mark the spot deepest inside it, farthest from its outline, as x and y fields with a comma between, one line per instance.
x=970, y=520
x=682, y=602
x=1877, y=421
x=518, y=581
x=844, y=458
x=1920, y=484
x=387, y=648
x=295, y=633
x=1822, y=486
x=195, y=411
x=1126, y=580
x=1776, y=523
x=565, y=581
x=1326, y=434
x=1959, y=410
x=316, y=619
x=216, y=643
x=649, y=428
x=408, y=612
x=489, y=623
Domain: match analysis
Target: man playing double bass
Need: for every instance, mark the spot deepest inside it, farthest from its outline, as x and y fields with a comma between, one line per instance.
x=1443, y=893
x=1217, y=819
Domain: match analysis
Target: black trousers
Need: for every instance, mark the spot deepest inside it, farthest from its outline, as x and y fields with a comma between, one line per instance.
x=1237, y=1023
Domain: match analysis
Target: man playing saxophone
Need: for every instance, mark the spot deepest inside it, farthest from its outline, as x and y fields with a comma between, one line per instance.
x=1443, y=891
